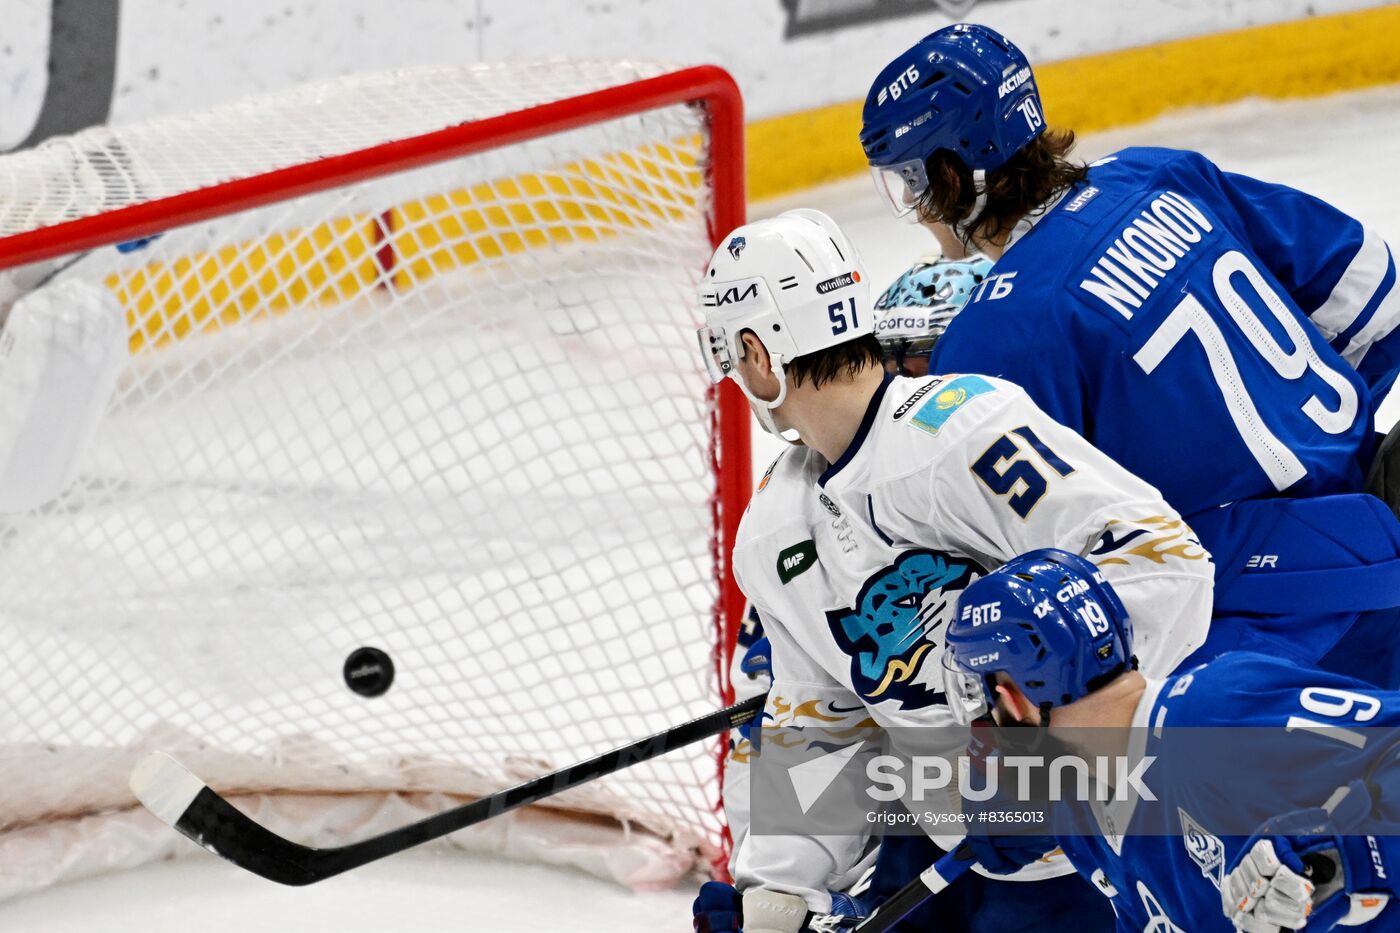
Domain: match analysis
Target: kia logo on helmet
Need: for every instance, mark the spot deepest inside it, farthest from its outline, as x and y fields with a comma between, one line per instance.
x=734, y=295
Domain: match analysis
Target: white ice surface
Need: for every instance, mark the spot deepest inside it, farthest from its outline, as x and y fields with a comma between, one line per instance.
x=411, y=893
x=1343, y=149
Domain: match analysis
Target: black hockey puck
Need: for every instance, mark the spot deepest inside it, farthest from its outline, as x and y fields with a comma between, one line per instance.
x=369, y=672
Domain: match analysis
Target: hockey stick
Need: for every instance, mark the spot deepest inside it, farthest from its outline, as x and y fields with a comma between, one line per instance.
x=948, y=869
x=179, y=798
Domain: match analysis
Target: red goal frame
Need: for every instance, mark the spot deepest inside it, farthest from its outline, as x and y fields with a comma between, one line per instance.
x=706, y=86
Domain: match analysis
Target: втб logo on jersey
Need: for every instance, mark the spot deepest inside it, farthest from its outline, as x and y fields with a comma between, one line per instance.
x=891, y=628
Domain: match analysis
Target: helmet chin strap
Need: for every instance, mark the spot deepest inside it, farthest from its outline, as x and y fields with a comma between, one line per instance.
x=963, y=229
x=762, y=408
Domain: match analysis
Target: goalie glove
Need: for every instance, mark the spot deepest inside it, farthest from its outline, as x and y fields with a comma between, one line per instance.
x=1299, y=871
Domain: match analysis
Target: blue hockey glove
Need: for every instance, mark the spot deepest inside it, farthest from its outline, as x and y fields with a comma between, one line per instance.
x=1004, y=855
x=758, y=667
x=998, y=831
x=757, y=662
x=717, y=909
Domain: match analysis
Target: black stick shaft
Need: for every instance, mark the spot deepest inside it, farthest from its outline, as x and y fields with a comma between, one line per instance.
x=948, y=869
x=220, y=827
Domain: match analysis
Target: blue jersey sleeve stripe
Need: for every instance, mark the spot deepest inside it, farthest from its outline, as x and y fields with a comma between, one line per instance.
x=1363, y=278
x=1376, y=305
x=1382, y=321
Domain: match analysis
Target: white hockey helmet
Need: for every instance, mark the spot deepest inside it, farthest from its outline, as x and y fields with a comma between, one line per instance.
x=796, y=281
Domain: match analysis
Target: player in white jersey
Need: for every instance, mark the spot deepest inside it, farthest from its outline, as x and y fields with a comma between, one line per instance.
x=896, y=495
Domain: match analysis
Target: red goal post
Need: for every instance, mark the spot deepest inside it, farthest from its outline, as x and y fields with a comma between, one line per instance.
x=313, y=363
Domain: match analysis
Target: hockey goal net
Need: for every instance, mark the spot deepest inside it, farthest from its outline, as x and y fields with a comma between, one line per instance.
x=409, y=366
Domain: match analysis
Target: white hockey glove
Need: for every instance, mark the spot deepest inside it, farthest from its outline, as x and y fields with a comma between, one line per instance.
x=721, y=909
x=1298, y=871
x=1263, y=895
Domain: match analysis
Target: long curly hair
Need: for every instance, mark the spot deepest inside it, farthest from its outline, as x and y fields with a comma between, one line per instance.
x=1028, y=179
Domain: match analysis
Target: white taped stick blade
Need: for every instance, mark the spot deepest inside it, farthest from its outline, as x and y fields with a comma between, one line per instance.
x=164, y=786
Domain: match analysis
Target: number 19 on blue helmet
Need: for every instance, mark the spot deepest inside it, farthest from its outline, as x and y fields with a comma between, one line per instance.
x=1049, y=621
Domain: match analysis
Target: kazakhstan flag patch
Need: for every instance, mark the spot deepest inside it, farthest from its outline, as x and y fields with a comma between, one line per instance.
x=935, y=413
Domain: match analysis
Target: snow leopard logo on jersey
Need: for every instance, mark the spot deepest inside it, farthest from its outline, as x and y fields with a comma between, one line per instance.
x=895, y=623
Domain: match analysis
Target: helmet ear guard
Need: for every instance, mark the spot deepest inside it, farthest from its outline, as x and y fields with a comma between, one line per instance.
x=721, y=353
x=968, y=697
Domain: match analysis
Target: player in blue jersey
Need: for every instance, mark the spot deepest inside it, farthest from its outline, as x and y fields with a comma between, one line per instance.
x=1222, y=337
x=1308, y=762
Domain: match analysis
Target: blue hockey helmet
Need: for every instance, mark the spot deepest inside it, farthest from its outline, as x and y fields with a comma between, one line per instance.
x=965, y=88
x=1048, y=620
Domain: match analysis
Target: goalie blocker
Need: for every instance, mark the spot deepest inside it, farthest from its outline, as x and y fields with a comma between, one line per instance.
x=62, y=347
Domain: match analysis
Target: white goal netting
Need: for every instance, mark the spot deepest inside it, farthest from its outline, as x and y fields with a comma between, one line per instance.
x=450, y=411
